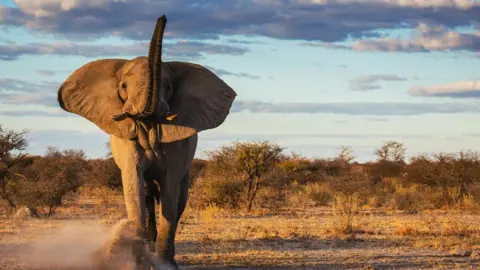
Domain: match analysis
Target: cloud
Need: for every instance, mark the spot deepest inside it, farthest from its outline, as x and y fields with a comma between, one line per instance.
x=318, y=20
x=49, y=100
x=222, y=72
x=377, y=119
x=471, y=134
x=8, y=84
x=368, y=82
x=36, y=113
x=356, y=108
x=326, y=45
x=16, y=92
x=460, y=4
x=45, y=72
x=427, y=37
x=465, y=89
x=180, y=49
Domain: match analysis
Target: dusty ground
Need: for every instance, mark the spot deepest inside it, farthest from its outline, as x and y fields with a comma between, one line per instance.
x=293, y=239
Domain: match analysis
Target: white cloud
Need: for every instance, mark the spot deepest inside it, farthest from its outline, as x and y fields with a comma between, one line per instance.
x=48, y=8
x=426, y=37
x=338, y=20
x=463, y=89
x=185, y=50
x=368, y=82
x=462, y=4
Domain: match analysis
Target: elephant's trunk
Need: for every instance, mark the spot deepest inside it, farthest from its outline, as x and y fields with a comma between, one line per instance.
x=155, y=69
x=149, y=101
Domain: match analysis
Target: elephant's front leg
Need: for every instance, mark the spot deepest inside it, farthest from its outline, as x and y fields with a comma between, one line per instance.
x=132, y=162
x=134, y=194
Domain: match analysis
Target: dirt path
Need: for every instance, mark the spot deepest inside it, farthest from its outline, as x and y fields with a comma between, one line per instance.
x=295, y=240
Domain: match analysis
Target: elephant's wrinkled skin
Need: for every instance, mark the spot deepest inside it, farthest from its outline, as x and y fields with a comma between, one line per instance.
x=153, y=111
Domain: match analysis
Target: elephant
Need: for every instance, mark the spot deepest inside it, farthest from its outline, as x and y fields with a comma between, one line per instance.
x=153, y=111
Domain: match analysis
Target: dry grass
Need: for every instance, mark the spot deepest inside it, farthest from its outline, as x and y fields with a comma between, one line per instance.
x=339, y=236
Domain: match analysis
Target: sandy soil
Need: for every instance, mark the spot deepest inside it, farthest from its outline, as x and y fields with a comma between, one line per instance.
x=290, y=239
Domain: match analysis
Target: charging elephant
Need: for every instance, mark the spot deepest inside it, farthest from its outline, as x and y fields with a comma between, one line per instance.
x=153, y=111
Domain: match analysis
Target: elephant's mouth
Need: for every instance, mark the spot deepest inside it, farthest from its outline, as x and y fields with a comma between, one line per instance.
x=161, y=112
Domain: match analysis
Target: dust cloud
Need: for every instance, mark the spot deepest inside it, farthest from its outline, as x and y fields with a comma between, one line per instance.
x=77, y=245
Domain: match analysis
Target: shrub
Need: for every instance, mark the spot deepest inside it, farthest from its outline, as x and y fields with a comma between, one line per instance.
x=350, y=184
x=473, y=190
x=319, y=193
x=344, y=209
x=48, y=180
x=385, y=168
x=445, y=170
x=270, y=197
x=330, y=167
x=294, y=164
x=250, y=162
x=12, y=145
x=219, y=191
x=408, y=199
x=104, y=173
x=197, y=170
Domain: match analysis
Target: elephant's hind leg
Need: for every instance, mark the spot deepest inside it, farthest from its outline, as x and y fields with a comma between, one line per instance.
x=151, y=219
x=168, y=217
x=173, y=194
x=152, y=194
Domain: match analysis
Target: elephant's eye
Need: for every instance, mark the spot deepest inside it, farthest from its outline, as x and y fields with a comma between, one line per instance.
x=123, y=85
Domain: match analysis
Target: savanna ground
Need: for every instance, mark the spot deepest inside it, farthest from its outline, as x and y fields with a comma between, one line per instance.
x=339, y=236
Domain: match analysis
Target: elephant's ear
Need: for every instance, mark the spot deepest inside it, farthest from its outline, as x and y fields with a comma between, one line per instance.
x=200, y=99
x=92, y=92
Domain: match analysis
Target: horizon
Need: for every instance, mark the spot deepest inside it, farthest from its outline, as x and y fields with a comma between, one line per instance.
x=321, y=74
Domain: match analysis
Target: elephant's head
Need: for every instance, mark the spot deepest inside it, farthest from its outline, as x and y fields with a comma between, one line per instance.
x=117, y=94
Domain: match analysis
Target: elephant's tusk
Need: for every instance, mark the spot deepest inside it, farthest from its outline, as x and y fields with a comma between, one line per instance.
x=120, y=117
x=170, y=116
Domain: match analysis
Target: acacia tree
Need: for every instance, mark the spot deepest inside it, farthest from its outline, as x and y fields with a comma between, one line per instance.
x=252, y=160
x=391, y=151
x=12, y=145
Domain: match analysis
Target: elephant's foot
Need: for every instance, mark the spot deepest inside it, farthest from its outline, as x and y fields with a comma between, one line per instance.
x=168, y=258
x=173, y=264
x=125, y=250
x=162, y=264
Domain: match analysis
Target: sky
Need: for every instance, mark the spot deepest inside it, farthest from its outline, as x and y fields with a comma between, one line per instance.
x=311, y=75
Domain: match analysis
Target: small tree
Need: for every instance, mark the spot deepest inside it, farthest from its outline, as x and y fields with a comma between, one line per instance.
x=346, y=154
x=391, y=151
x=12, y=143
x=252, y=160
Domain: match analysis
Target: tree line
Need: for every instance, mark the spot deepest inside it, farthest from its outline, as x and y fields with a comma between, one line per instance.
x=253, y=174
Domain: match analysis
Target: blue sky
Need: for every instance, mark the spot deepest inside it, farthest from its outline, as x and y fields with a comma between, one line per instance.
x=311, y=75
